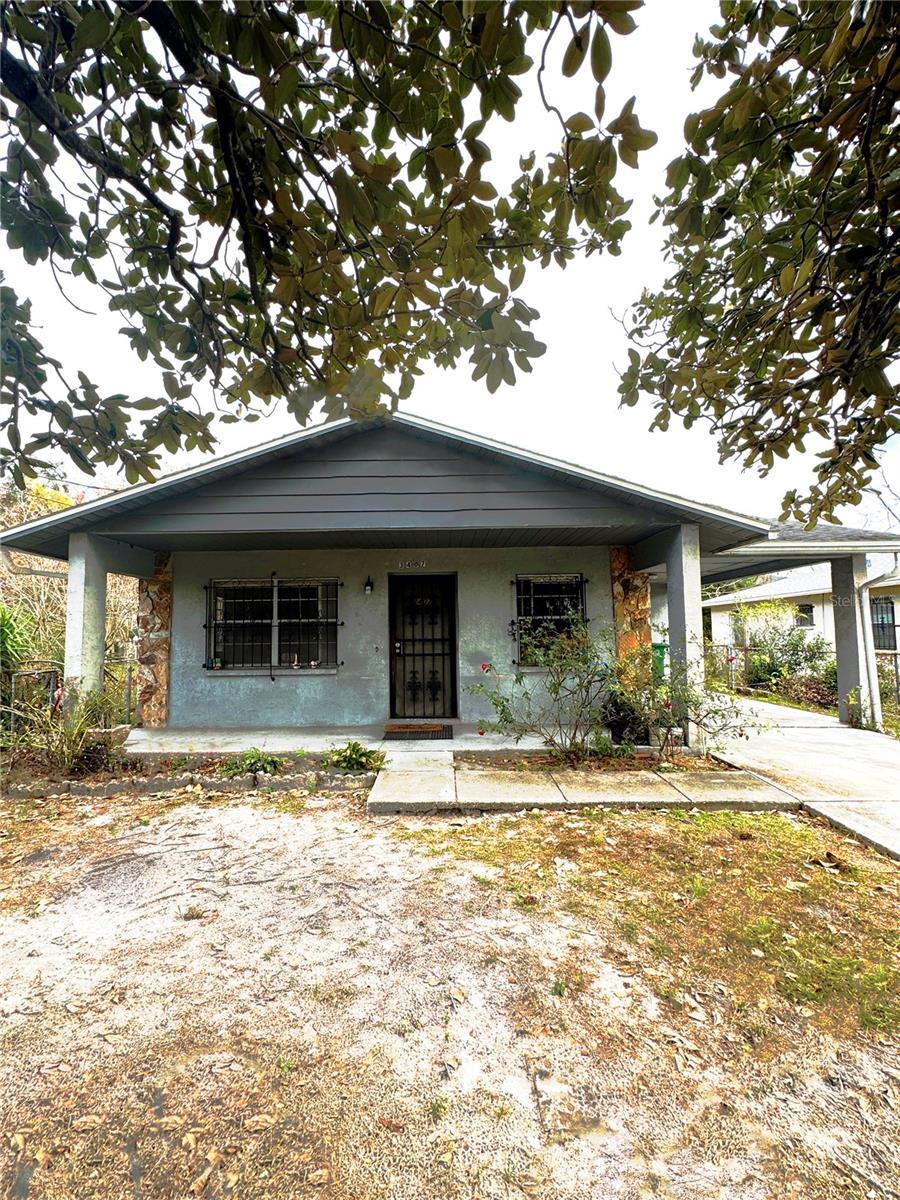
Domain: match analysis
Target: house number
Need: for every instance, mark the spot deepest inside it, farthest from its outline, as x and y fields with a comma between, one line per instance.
x=411, y=564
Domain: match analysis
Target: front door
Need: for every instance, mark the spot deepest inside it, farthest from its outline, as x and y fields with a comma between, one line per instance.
x=423, y=645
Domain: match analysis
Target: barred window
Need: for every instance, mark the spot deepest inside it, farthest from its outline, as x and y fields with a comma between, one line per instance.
x=546, y=606
x=884, y=630
x=284, y=623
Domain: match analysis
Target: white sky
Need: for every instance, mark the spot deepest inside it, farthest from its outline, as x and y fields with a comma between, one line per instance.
x=568, y=407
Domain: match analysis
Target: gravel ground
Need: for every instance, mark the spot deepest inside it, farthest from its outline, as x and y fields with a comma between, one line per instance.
x=236, y=1001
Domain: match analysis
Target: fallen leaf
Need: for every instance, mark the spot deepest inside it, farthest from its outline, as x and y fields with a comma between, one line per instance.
x=85, y=1124
x=391, y=1124
x=258, y=1123
x=201, y=1181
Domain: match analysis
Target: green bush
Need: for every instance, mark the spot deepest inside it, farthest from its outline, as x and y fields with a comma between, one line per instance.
x=586, y=699
x=778, y=653
x=16, y=637
x=562, y=702
x=354, y=757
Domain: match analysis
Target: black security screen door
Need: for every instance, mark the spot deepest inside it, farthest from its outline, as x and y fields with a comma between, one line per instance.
x=423, y=645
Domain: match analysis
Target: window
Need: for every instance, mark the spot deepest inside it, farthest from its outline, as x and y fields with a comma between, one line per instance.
x=546, y=605
x=261, y=625
x=805, y=616
x=884, y=630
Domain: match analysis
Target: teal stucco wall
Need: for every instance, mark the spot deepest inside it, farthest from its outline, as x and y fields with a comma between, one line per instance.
x=359, y=692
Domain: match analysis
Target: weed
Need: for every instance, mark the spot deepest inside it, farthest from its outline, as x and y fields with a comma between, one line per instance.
x=698, y=887
x=285, y=1065
x=292, y=802
x=438, y=1109
x=193, y=912
x=354, y=757
x=269, y=954
x=252, y=762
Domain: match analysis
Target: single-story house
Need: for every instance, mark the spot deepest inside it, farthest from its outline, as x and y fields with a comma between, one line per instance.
x=359, y=572
x=807, y=592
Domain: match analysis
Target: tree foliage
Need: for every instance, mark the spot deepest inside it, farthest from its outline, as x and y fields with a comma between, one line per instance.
x=290, y=199
x=779, y=318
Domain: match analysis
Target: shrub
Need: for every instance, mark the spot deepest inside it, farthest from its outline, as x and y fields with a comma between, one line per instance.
x=662, y=707
x=16, y=636
x=67, y=742
x=354, y=757
x=810, y=690
x=587, y=699
x=561, y=703
x=252, y=762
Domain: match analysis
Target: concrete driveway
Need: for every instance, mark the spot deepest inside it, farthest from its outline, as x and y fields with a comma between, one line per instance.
x=852, y=776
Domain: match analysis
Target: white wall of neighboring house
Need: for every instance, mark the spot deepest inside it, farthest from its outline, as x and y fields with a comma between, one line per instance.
x=788, y=587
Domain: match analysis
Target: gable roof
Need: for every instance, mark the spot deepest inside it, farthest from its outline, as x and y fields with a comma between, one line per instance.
x=49, y=535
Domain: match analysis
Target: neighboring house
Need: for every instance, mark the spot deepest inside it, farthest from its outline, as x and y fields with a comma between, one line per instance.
x=808, y=591
x=357, y=573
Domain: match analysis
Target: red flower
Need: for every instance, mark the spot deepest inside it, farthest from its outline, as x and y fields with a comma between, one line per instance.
x=485, y=666
x=730, y=658
x=668, y=704
x=481, y=733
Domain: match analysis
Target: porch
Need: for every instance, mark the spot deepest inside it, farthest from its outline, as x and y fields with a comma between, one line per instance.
x=314, y=739
x=334, y=535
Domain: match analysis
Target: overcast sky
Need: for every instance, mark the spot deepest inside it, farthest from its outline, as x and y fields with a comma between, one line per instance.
x=568, y=406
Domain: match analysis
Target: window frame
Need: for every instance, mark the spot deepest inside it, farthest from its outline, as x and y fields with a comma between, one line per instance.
x=884, y=629
x=804, y=611
x=274, y=585
x=518, y=622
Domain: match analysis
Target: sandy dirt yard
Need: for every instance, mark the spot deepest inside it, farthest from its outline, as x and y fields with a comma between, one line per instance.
x=277, y=997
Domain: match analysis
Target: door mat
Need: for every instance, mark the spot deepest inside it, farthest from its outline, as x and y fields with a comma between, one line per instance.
x=415, y=733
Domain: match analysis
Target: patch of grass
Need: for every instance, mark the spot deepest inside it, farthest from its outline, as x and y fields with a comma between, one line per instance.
x=293, y=802
x=193, y=912
x=438, y=1109
x=774, y=907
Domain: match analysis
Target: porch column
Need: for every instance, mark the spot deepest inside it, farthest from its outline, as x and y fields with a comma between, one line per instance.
x=685, y=612
x=859, y=701
x=85, y=614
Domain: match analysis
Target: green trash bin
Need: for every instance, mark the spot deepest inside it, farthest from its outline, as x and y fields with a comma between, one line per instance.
x=660, y=651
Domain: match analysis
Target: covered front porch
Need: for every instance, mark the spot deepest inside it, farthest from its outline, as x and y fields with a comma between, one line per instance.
x=363, y=572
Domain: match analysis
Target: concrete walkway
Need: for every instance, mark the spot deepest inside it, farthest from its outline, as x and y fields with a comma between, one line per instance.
x=850, y=776
x=431, y=782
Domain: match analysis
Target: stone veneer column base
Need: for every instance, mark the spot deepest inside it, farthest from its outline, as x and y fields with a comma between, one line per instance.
x=631, y=602
x=154, y=647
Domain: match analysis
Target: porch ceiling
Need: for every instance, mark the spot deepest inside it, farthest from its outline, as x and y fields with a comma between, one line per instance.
x=390, y=539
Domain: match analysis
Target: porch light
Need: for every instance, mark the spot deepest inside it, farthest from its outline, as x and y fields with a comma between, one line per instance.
x=368, y=586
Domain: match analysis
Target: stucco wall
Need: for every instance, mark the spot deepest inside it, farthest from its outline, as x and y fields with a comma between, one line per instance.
x=359, y=693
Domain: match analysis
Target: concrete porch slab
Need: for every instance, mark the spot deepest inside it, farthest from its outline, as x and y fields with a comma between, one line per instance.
x=313, y=740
